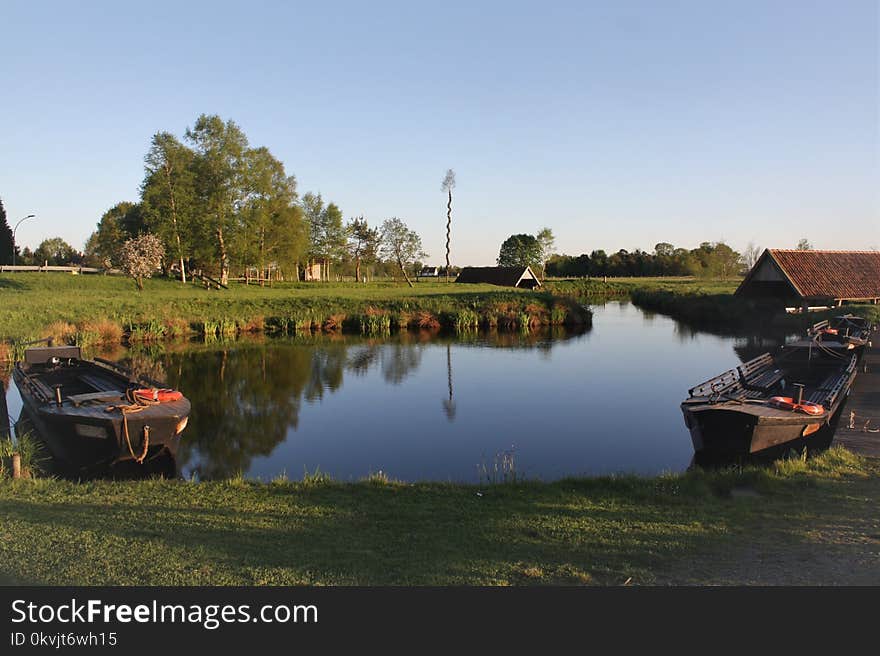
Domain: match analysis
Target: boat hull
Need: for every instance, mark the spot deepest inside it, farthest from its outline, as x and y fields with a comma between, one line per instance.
x=88, y=436
x=750, y=411
x=729, y=433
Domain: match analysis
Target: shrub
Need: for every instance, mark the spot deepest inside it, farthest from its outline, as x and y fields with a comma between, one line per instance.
x=141, y=257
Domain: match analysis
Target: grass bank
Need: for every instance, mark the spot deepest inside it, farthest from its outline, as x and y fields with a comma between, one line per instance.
x=704, y=304
x=92, y=309
x=377, y=532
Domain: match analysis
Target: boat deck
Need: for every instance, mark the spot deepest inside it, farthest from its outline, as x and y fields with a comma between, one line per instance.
x=863, y=407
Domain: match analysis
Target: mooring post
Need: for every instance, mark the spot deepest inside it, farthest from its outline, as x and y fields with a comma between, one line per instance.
x=4, y=412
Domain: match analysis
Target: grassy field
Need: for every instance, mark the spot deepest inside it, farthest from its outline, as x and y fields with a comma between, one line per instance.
x=602, y=531
x=103, y=308
x=704, y=304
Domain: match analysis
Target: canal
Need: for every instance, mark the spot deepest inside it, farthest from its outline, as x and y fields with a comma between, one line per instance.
x=541, y=405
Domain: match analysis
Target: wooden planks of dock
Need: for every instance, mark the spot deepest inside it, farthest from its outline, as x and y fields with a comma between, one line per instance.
x=859, y=427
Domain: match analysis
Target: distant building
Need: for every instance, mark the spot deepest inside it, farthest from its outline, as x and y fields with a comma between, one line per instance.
x=429, y=272
x=814, y=278
x=312, y=271
x=504, y=276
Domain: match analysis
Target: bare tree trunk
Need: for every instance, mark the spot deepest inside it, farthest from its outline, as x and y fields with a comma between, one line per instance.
x=224, y=257
x=448, y=231
x=262, y=254
x=357, y=269
x=174, y=221
x=405, y=277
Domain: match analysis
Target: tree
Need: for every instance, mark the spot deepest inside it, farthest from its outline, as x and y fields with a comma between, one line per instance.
x=663, y=249
x=547, y=242
x=363, y=243
x=6, y=244
x=750, y=256
x=333, y=236
x=218, y=168
x=122, y=221
x=401, y=244
x=141, y=257
x=804, y=245
x=56, y=252
x=448, y=186
x=327, y=237
x=168, y=191
x=272, y=222
x=520, y=250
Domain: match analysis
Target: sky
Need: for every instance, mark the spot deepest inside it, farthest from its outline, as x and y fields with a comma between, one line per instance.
x=616, y=124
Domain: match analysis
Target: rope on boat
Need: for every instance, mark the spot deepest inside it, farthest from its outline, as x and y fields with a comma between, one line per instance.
x=819, y=345
x=136, y=404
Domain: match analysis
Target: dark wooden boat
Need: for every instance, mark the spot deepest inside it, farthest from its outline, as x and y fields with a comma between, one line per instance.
x=846, y=331
x=94, y=413
x=769, y=402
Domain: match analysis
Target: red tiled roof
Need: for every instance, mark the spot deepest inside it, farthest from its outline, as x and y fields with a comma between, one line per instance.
x=831, y=274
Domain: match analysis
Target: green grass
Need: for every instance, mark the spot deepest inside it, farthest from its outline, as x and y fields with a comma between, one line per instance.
x=707, y=304
x=87, y=307
x=380, y=532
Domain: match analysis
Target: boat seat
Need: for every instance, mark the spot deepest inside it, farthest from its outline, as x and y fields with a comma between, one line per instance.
x=825, y=388
x=764, y=382
x=760, y=374
x=726, y=383
x=79, y=399
x=98, y=383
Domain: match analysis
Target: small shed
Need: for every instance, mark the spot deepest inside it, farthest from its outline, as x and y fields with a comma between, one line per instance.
x=504, y=276
x=814, y=278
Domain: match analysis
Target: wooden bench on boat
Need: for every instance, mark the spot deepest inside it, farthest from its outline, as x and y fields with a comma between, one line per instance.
x=726, y=382
x=752, y=379
x=758, y=375
x=99, y=384
x=829, y=388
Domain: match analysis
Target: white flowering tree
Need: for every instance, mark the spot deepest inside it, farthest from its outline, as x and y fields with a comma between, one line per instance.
x=141, y=257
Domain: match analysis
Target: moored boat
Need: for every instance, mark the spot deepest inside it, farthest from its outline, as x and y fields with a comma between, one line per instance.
x=847, y=332
x=769, y=402
x=95, y=414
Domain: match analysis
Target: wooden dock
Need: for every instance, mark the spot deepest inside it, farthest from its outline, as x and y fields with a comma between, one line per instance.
x=859, y=427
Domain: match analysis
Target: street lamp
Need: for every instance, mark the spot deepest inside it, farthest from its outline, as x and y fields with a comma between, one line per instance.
x=29, y=216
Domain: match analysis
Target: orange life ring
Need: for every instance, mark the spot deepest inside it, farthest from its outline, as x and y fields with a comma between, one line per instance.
x=160, y=395
x=788, y=403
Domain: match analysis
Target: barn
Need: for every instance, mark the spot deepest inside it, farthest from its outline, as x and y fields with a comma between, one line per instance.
x=814, y=278
x=504, y=276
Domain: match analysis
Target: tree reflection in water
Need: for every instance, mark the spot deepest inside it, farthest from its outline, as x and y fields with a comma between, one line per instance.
x=449, y=404
x=247, y=394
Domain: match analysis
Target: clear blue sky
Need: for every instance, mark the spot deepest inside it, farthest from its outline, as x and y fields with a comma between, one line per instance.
x=617, y=124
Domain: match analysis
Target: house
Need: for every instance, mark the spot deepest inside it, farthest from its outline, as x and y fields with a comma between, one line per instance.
x=429, y=272
x=814, y=278
x=312, y=271
x=504, y=276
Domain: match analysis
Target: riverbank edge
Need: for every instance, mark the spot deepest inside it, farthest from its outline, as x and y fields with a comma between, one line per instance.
x=706, y=304
x=464, y=312
x=589, y=530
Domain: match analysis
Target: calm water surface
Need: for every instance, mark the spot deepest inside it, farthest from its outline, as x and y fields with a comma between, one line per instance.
x=436, y=408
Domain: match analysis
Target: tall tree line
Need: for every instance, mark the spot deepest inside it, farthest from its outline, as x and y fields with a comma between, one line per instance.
x=715, y=260
x=214, y=201
x=219, y=204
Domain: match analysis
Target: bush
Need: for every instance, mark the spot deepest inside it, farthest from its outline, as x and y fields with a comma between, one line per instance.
x=141, y=257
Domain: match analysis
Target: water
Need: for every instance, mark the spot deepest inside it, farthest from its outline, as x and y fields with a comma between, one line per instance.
x=444, y=408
